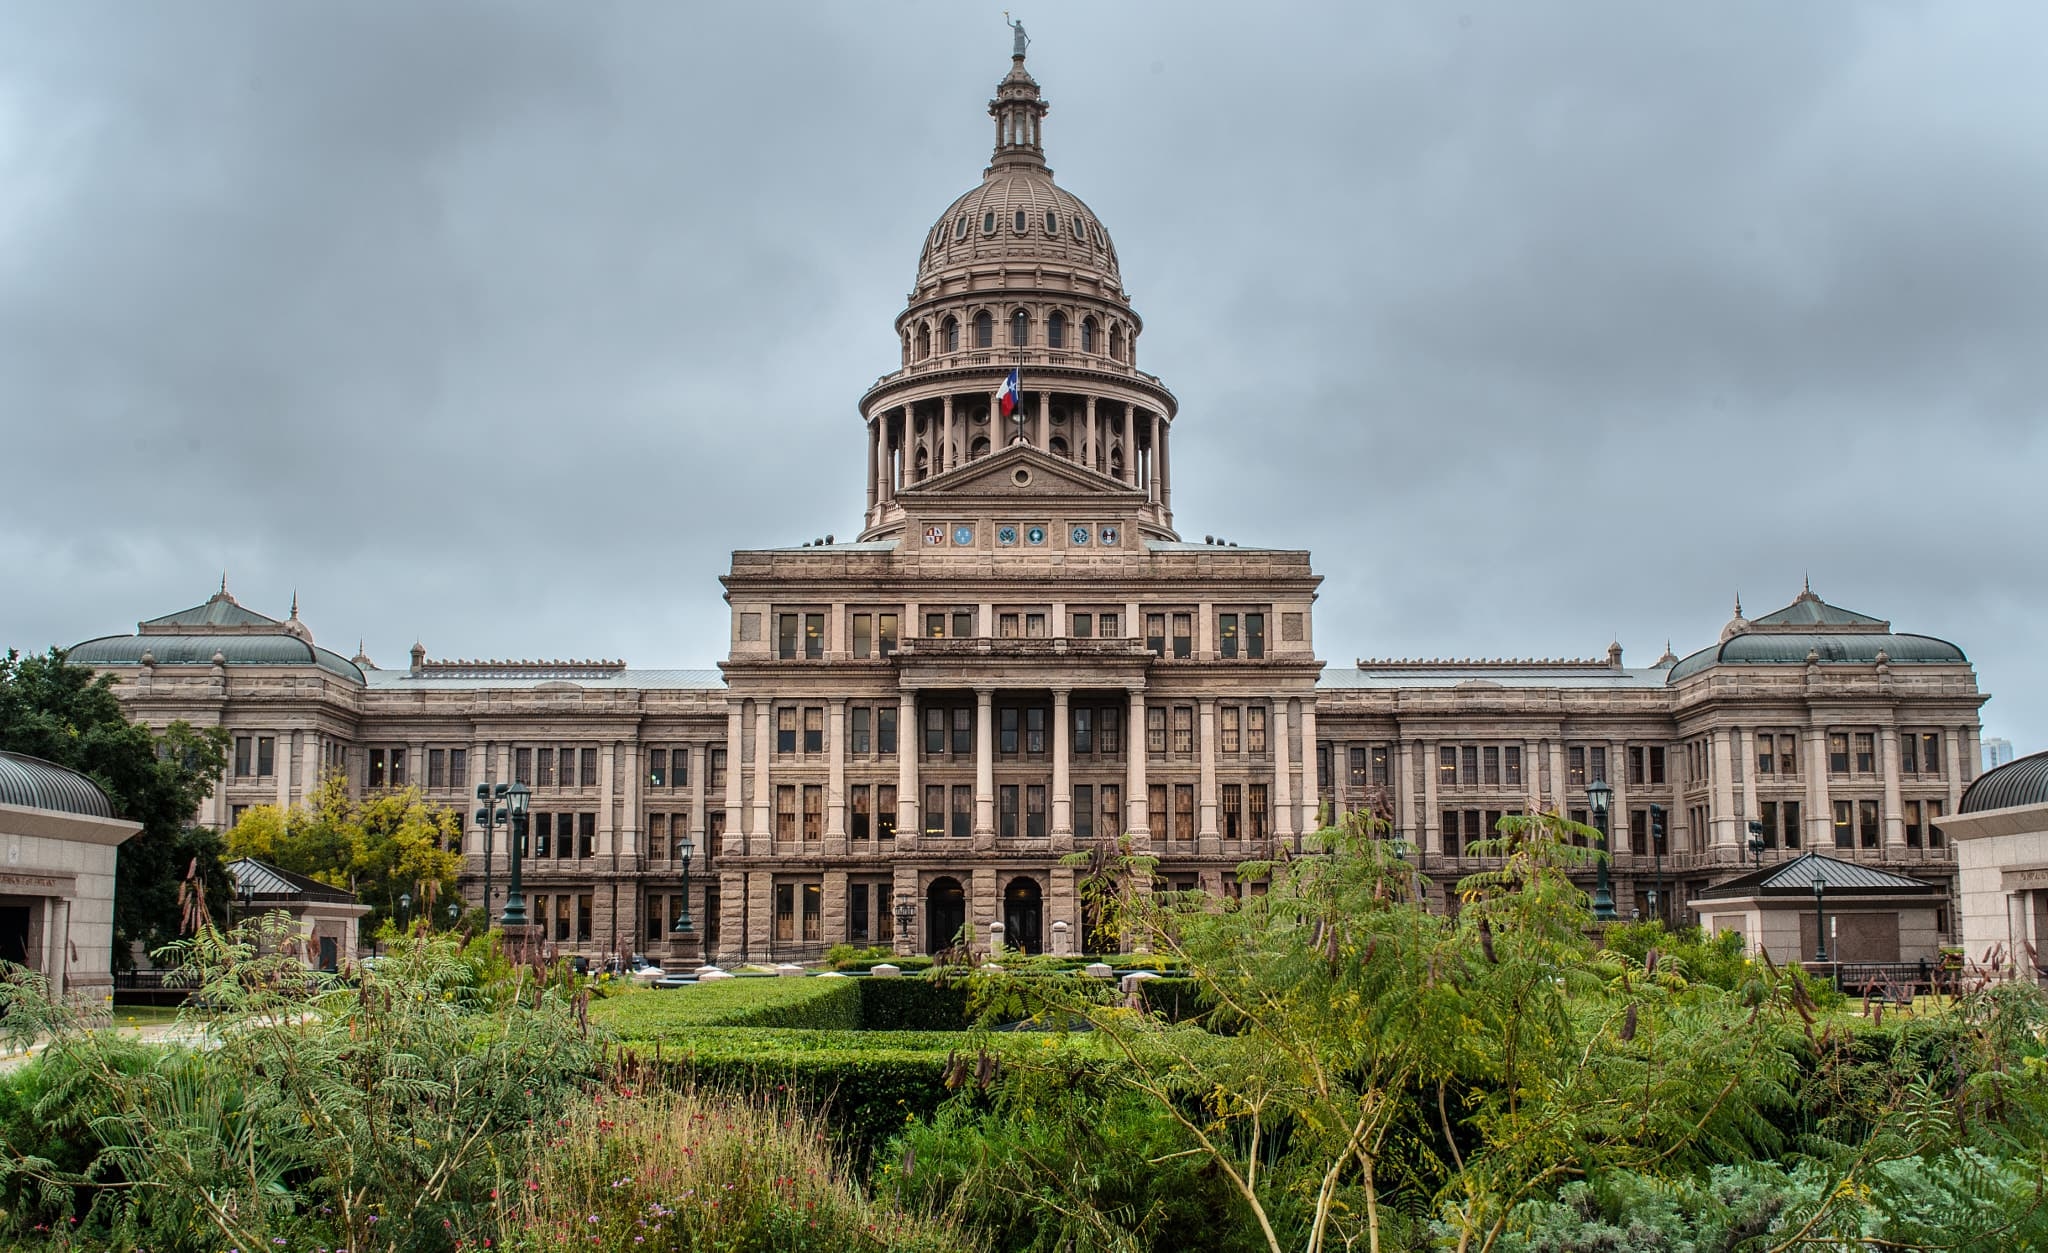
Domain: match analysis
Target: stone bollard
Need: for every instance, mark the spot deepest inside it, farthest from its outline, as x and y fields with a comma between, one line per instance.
x=1059, y=938
x=1098, y=970
x=886, y=971
x=789, y=970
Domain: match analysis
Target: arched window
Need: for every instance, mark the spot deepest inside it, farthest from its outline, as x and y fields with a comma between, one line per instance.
x=1116, y=343
x=984, y=330
x=979, y=448
x=1080, y=231
x=1116, y=461
x=1020, y=221
x=1087, y=334
x=988, y=222
x=1056, y=331
x=952, y=334
x=1020, y=329
x=906, y=348
x=923, y=464
x=924, y=340
x=960, y=227
x=1052, y=223
x=1059, y=447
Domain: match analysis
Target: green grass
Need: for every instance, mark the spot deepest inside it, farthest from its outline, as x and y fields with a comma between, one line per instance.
x=660, y=1013
x=138, y=1016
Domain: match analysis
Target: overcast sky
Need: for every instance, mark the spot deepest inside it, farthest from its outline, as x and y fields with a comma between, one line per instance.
x=499, y=326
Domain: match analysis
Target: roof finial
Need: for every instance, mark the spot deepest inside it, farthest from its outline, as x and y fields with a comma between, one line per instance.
x=1738, y=604
x=295, y=602
x=1808, y=590
x=223, y=582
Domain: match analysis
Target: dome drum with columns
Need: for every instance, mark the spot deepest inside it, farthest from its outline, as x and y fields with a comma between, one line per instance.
x=1018, y=274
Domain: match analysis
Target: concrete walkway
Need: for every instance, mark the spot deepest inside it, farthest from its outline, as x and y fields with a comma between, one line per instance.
x=153, y=1033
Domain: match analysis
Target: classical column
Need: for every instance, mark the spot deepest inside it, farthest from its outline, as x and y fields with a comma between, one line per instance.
x=1088, y=436
x=1161, y=439
x=1311, y=791
x=909, y=738
x=1820, y=811
x=735, y=797
x=1404, y=796
x=835, y=777
x=949, y=457
x=281, y=760
x=1894, y=813
x=1745, y=746
x=1140, y=825
x=1062, y=786
x=1045, y=422
x=1432, y=813
x=1723, y=791
x=1532, y=773
x=984, y=767
x=700, y=779
x=1206, y=830
x=1281, y=735
x=1152, y=462
x=874, y=463
x=1617, y=817
x=1958, y=770
x=607, y=763
x=764, y=820
x=1130, y=474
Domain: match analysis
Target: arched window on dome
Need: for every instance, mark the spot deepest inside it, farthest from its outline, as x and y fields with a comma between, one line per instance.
x=1116, y=343
x=979, y=448
x=1056, y=330
x=950, y=335
x=906, y=348
x=1020, y=221
x=924, y=340
x=1059, y=448
x=984, y=330
x=1087, y=334
x=1020, y=329
x=960, y=227
x=1116, y=461
x=1080, y=231
x=988, y=222
x=1052, y=222
x=923, y=464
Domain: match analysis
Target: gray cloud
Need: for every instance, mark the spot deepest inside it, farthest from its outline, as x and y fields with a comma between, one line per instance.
x=1539, y=324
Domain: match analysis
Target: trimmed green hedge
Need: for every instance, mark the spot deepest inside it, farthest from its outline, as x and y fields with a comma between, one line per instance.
x=912, y=1004
x=769, y=1001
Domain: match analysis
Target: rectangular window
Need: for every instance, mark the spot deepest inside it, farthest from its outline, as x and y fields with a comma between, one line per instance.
x=1915, y=834
x=1635, y=764
x=1082, y=626
x=1255, y=810
x=1183, y=729
x=679, y=773
x=568, y=760
x=857, y=913
x=857, y=824
x=1909, y=754
x=1007, y=626
x=541, y=839
x=376, y=767
x=522, y=766
x=1155, y=729
x=266, y=756
x=544, y=767
x=1639, y=829
x=654, y=916
x=1226, y=635
x=1183, y=811
x=1767, y=815
x=1575, y=767
x=1930, y=752
x=788, y=627
x=1084, y=811
x=785, y=729
x=1447, y=766
x=437, y=768
x=458, y=767
x=1511, y=764
x=1788, y=757
x=1255, y=635
x=657, y=835
x=1935, y=838
x=885, y=634
x=1380, y=770
x=1490, y=762
x=1109, y=626
x=717, y=780
x=1006, y=811
x=1845, y=834
x=1112, y=809
x=1255, y=730
x=1866, y=753
x=934, y=732
x=586, y=835
x=935, y=809
x=785, y=912
x=1469, y=775
x=1083, y=731
x=1597, y=764
x=1230, y=818
x=1788, y=828
x=397, y=764
x=1867, y=830
x=657, y=767
x=935, y=626
x=814, y=635
x=885, y=811
x=1838, y=752
x=1034, y=626
x=963, y=811
x=1034, y=730
x=1155, y=809
x=1183, y=635
x=1006, y=730
x=1110, y=739
x=1034, y=810
x=1451, y=827
x=863, y=634
x=245, y=761
x=785, y=812
x=1766, y=754
x=858, y=736
x=814, y=813
x=1231, y=717
x=963, y=730
x=1155, y=633
x=963, y=624
x=814, y=729
x=814, y=900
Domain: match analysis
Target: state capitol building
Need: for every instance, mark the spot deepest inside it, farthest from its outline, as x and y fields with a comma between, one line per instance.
x=1020, y=656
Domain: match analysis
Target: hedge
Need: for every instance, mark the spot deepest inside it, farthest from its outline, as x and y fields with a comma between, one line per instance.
x=665, y=1013
x=912, y=1004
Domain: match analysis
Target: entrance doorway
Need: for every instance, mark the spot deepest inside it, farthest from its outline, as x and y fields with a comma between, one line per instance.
x=14, y=934
x=945, y=913
x=1023, y=915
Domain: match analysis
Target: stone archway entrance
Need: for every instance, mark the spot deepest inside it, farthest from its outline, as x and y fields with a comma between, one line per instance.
x=14, y=930
x=945, y=912
x=1024, y=915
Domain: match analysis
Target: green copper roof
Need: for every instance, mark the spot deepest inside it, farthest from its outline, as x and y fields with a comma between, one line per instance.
x=199, y=650
x=1811, y=610
x=1792, y=649
x=221, y=610
x=34, y=783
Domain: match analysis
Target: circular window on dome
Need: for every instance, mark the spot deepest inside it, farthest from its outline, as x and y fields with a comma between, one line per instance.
x=960, y=227
x=1052, y=223
x=988, y=222
x=1020, y=221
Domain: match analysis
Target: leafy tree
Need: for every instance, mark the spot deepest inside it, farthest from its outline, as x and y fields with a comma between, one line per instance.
x=65, y=714
x=379, y=848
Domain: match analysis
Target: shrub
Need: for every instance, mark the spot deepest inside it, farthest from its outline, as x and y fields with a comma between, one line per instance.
x=850, y=957
x=912, y=1005
x=661, y=1014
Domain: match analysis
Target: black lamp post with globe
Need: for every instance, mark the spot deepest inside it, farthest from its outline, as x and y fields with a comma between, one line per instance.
x=683, y=940
x=514, y=917
x=1599, y=795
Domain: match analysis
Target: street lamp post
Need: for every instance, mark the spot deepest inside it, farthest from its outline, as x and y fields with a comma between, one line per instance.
x=404, y=908
x=1657, y=852
x=1598, y=795
x=906, y=918
x=490, y=815
x=684, y=851
x=1756, y=842
x=1820, y=927
x=516, y=797
x=1652, y=895
x=454, y=912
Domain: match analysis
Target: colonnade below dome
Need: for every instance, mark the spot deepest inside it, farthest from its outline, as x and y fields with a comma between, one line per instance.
x=919, y=440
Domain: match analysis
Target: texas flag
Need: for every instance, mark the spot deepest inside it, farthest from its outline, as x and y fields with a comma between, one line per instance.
x=1009, y=397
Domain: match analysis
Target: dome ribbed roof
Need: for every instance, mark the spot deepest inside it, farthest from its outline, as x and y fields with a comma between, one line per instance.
x=1792, y=650
x=2022, y=782
x=981, y=226
x=199, y=650
x=37, y=784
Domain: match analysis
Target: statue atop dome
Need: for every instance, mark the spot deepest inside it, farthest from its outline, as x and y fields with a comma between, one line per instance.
x=1018, y=39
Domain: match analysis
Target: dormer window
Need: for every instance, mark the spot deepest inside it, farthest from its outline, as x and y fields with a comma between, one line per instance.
x=988, y=222
x=960, y=227
x=1080, y=231
x=1052, y=223
x=1020, y=221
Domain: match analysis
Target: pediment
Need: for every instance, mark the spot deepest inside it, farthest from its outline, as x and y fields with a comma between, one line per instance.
x=1018, y=471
